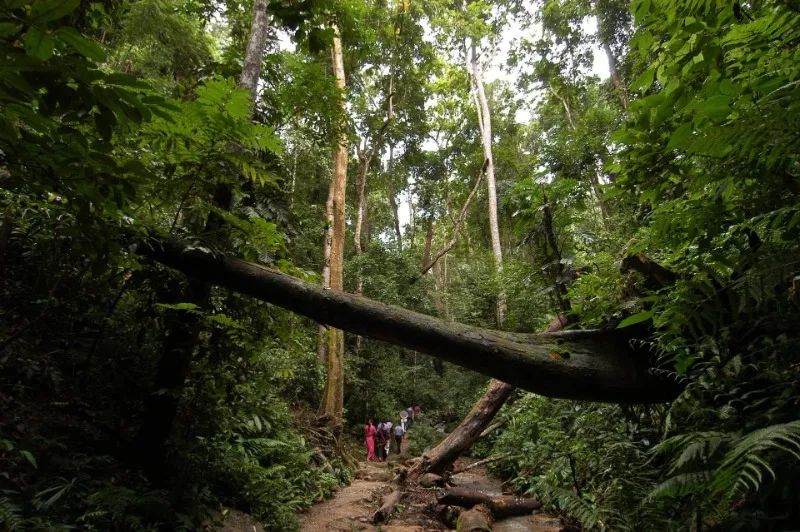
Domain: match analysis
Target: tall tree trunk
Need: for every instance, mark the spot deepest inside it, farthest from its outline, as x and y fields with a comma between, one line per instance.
x=183, y=330
x=391, y=193
x=332, y=406
x=482, y=413
x=254, y=54
x=365, y=158
x=485, y=123
x=552, y=254
x=616, y=79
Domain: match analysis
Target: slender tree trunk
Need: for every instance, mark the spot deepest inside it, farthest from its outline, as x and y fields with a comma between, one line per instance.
x=254, y=54
x=482, y=413
x=552, y=254
x=361, y=189
x=183, y=330
x=616, y=79
x=485, y=123
x=391, y=192
x=332, y=405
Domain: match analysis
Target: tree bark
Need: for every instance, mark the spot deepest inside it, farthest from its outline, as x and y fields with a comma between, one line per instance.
x=594, y=365
x=254, y=55
x=332, y=404
x=616, y=79
x=500, y=505
x=392, y=199
x=485, y=124
x=441, y=457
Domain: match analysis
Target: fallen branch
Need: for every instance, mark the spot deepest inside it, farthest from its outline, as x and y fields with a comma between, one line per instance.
x=479, y=463
x=491, y=428
x=500, y=506
x=389, y=502
x=383, y=513
x=457, y=223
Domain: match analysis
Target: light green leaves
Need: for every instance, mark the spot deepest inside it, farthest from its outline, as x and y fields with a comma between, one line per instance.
x=639, y=317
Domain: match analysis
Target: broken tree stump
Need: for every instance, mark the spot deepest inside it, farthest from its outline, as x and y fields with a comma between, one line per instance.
x=477, y=519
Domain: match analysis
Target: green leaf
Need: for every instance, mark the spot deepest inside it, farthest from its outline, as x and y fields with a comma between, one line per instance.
x=644, y=81
x=39, y=44
x=7, y=29
x=680, y=137
x=81, y=44
x=715, y=106
x=29, y=457
x=178, y=306
x=639, y=317
x=47, y=10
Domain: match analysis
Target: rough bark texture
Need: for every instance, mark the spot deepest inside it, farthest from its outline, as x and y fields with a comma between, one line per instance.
x=254, y=55
x=500, y=505
x=594, y=365
x=332, y=405
x=477, y=519
x=616, y=79
x=441, y=457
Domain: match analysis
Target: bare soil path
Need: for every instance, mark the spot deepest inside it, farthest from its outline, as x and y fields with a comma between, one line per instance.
x=352, y=507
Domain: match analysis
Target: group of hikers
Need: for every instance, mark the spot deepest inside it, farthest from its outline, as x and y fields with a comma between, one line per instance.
x=378, y=438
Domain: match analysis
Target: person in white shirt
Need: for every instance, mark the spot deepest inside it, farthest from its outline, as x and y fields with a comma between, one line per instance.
x=399, y=431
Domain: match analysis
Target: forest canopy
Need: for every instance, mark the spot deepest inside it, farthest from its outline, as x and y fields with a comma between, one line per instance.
x=595, y=201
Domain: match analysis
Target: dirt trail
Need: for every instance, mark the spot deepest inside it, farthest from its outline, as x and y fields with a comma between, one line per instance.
x=352, y=506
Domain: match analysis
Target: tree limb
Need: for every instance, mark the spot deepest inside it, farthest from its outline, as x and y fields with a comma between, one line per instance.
x=457, y=223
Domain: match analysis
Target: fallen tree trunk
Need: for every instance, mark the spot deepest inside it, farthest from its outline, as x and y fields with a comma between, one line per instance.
x=474, y=425
x=500, y=505
x=595, y=365
x=438, y=459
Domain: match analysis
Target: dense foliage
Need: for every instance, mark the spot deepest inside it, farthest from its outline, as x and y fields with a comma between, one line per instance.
x=123, y=119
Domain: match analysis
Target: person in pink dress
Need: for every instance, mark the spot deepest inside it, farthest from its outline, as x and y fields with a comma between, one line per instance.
x=369, y=439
